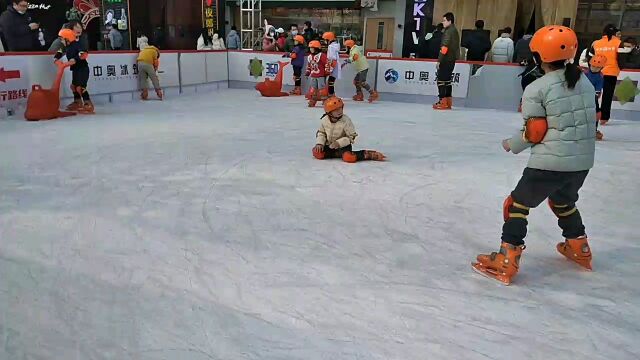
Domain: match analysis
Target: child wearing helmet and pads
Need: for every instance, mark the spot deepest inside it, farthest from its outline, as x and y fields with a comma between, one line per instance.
x=77, y=60
x=333, y=56
x=362, y=68
x=297, y=62
x=316, y=69
x=559, y=115
x=336, y=135
x=594, y=74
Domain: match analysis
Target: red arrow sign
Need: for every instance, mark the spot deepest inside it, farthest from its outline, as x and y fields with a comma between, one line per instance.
x=9, y=74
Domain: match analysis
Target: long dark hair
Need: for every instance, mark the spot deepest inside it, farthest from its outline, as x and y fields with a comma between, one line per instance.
x=609, y=31
x=206, y=37
x=571, y=72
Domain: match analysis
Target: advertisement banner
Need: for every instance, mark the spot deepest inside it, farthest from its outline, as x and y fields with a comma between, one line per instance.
x=627, y=93
x=113, y=73
x=418, y=20
x=256, y=66
x=116, y=17
x=15, y=84
x=418, y=77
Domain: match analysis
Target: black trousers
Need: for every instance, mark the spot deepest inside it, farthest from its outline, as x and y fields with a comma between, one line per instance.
x=80, y=78
x=332, y=85
x=597, y=109
x=330, y=153
x=607, y=95
x=297, y=75
x=533, y=188
x=444, y=76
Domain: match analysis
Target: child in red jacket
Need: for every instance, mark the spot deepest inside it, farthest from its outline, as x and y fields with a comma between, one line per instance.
x=316, y=69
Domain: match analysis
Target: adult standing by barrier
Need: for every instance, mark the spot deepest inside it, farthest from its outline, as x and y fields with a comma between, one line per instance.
x=477, y=43
x=502, y=50
x=18, y=30
x=608, y=47
x=449, y=50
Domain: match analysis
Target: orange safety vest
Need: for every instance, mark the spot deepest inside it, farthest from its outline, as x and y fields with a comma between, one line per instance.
x=609, y=48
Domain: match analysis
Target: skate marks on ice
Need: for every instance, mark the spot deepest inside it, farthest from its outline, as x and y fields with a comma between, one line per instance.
x=192, y=232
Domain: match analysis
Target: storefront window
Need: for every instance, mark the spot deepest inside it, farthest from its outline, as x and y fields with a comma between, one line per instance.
x=345, y=23
x=594, y=15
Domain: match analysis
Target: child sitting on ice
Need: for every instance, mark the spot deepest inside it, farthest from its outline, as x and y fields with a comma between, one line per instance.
x=336, y=135
x=594, y=74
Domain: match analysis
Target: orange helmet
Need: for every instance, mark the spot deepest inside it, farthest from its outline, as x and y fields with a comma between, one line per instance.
x=299, y=38
x=333, y=103
x=315, y=44
x=554, y=43
x=598, y=60
x=329, y=36
x=67, y=34
x=349, y=43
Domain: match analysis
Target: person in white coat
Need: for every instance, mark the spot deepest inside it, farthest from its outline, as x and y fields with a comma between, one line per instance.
x=217, y=43
x=503, y=49
x=204, y=41
x=333, y=57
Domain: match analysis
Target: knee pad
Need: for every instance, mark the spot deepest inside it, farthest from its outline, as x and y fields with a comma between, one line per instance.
x=349, y=157
x=318, y=154
x=512, y=209
x=561, y=210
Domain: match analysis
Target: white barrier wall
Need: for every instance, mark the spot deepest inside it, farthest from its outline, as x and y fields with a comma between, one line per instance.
x=634, y=104
x=114, y=73
x=256, y=66
x=418, y=77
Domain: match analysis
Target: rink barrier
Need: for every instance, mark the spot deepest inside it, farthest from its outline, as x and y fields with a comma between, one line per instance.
x=113, y=79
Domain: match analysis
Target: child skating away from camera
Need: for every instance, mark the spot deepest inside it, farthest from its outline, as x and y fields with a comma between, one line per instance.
x=336, y=135
x=594, y=74
x=77, y=59
x=559, y=115
x=316, y=69
x=362, y=68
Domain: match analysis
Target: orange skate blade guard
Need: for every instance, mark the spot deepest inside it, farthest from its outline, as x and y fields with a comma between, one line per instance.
x=503, y=279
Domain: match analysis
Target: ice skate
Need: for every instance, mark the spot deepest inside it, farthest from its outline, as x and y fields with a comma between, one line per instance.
x=87, y=108
x=374, y=96
x=374, y=155
x=144, y=95
x=74, y=106
x=358, y=97
x=599, y=135
x=443, y=104
x=312, y=103
x=296, y=91
x=502, y=265
x=576, y=250
x=159, y=94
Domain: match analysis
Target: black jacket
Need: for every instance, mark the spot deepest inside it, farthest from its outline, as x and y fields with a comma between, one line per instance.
x=477, y=43
x=16, y=33
x=522, y=50
x=630, y=60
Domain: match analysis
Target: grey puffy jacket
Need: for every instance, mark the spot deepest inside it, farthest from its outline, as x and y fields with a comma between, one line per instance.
x=569, y=144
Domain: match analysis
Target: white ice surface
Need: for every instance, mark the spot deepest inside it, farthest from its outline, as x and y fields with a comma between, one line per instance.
x=201, y=228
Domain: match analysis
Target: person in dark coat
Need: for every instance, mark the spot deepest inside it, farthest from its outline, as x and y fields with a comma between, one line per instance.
x=522, y=51
x=631, y=60
x=18, y=31
x=308, y=33
x=477, y=42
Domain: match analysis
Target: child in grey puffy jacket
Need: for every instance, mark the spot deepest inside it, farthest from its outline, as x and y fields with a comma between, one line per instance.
x=559, y=114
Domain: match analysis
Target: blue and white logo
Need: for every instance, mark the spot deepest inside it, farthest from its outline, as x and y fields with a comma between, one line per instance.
x=391, y=76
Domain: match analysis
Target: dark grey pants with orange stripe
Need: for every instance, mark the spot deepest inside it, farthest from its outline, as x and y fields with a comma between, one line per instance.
x=561, y=188
x=346, y=153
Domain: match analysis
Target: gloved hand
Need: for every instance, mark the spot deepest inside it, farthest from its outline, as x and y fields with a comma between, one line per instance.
x=505, y=145
x=318, y=148
x=334, y=145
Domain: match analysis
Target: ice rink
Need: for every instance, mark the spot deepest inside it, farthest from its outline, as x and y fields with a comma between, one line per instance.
x=202, y=228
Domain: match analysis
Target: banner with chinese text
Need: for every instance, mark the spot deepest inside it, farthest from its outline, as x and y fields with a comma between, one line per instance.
x=210, y=15
x=418, y=77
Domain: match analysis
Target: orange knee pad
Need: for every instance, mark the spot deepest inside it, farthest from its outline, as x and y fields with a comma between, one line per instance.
x=505, y=207
x=349, y=157
x=318, y=154
x=510, y=203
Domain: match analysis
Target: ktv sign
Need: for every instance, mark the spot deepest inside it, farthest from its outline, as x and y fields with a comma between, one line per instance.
x=418, y=20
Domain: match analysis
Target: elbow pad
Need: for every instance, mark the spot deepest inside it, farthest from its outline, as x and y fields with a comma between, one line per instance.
x=535, y=130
